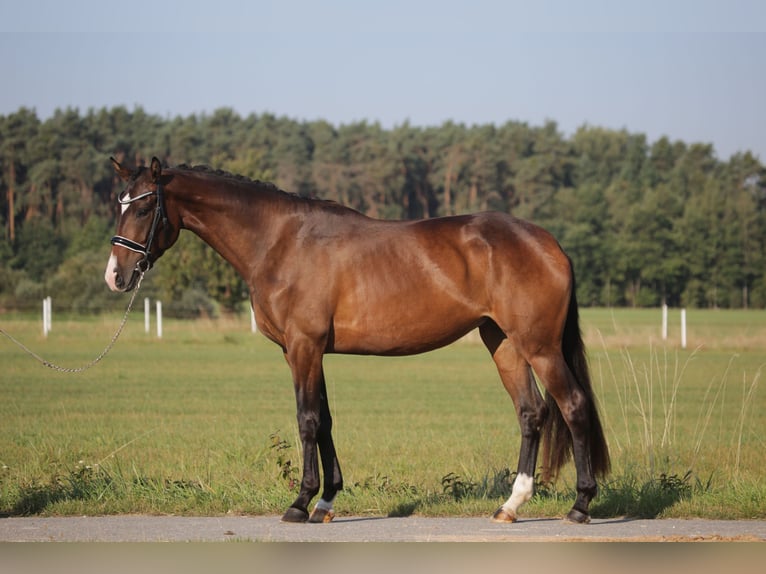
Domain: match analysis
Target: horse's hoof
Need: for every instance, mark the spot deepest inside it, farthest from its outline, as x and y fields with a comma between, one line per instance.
x=501, y=515
x=321, y=515
x=577, y=517
x=295, y=515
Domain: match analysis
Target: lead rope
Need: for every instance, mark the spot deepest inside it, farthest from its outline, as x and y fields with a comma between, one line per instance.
x=103, y=354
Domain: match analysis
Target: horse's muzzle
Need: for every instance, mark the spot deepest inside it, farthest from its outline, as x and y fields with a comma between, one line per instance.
x=129, y=285
x=119, y=281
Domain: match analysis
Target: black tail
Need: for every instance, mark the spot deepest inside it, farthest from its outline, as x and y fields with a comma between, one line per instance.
x=557, y=439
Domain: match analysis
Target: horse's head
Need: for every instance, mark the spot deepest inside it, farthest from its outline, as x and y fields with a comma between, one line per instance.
x=144, y=231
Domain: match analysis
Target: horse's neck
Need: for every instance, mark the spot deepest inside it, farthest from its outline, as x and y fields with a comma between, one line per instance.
x=236, y=223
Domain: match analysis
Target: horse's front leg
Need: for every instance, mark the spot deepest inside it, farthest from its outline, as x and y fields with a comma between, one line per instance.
x=333, y=479
x=305, y=360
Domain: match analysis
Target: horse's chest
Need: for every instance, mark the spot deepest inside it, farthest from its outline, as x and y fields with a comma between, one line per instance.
x=268, y=326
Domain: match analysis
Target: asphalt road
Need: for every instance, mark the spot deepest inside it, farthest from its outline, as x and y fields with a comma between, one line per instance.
x=367, y=529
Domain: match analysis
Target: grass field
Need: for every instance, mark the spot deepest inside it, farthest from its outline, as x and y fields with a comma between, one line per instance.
x=203, y=422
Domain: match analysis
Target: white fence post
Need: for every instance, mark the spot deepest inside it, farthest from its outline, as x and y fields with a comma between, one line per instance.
x=159, y=319
x=47, y=322
x=664, y=322
x=253, y=326
x=146, y=315
x=683, y=328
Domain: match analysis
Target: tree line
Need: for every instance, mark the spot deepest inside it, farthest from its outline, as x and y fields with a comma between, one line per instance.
x=644, y=222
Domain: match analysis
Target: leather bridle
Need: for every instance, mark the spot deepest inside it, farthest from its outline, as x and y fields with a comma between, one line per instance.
x=160, y=214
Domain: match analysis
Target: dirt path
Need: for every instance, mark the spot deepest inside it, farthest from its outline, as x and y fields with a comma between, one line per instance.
x=367, y=529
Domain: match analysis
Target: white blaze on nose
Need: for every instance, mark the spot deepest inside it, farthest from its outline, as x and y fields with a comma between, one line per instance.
x=109, y=275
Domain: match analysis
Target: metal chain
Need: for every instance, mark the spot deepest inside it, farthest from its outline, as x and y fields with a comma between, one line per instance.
x=95, y=361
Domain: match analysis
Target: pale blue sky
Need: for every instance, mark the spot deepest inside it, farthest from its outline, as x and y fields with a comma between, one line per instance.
x=693, y=70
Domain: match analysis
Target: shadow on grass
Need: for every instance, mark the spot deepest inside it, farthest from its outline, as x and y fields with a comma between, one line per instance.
x=405, y=509
x=35, y=501
x=627, y=496
x=85, y=483
x=36, y=498
x=623, y=497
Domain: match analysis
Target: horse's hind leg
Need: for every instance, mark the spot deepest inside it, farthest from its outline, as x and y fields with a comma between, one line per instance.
x=530, y=408
x=576, y=410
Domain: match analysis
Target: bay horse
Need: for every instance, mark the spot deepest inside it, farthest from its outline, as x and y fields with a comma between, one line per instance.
x=324, y=278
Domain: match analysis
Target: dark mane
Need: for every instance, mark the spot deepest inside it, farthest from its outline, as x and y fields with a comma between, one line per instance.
x=264, y=185
x=206, y=169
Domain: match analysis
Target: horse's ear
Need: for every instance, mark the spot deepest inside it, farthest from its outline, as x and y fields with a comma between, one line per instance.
x=123, y=172
x=156, y=170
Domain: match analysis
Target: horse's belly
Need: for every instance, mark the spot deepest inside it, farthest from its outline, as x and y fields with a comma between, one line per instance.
x=402, y=330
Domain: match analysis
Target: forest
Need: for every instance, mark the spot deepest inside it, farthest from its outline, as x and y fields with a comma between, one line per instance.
x=645, y=223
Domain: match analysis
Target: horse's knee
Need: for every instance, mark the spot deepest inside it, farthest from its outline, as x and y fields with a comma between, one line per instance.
x=308, y=426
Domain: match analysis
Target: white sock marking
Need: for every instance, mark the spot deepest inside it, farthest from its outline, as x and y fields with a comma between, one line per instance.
x=523, y=488
x=322, y=504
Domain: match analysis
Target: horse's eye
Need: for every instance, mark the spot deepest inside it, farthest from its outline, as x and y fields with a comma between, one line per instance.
x=143, y=211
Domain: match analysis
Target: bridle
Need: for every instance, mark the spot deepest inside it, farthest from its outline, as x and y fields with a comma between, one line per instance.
x=160, y=213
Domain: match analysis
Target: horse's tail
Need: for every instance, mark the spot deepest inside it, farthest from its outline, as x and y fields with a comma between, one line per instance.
x=557, y=438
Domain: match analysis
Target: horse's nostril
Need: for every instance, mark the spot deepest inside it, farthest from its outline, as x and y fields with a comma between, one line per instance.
x=118, y=280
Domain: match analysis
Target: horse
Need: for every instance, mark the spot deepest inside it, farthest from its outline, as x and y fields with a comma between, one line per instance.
x=324, y=278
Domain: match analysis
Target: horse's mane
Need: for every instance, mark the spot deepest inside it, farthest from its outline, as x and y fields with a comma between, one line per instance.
x=206, y=169
x=263, y=185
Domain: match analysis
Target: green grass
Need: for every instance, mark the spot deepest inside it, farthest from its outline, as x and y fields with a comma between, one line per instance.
x=203, y=422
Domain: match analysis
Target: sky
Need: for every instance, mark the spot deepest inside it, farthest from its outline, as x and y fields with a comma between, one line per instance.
x=690, y=70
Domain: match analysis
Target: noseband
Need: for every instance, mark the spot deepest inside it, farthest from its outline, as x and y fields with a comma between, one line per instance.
x=160, y=213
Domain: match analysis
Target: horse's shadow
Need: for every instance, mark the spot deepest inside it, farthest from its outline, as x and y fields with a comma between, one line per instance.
x=621, y=499
x=647, y=500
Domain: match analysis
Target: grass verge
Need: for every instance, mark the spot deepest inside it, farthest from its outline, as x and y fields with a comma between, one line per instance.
x=202, y=422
